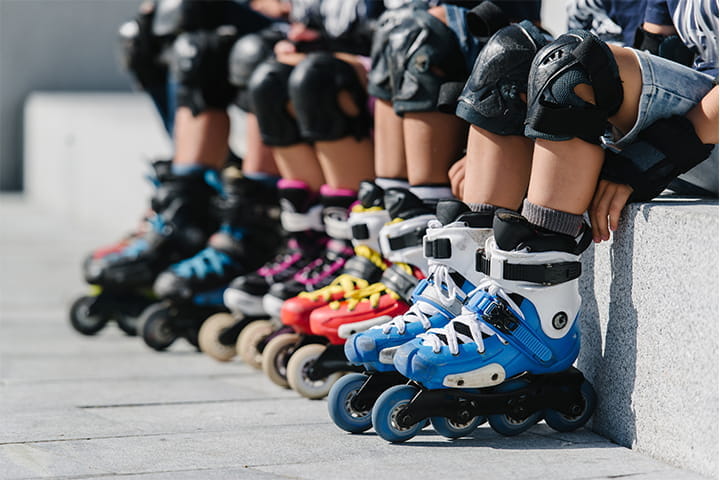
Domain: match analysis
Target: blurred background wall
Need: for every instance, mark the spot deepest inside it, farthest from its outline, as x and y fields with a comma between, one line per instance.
x=52, y=45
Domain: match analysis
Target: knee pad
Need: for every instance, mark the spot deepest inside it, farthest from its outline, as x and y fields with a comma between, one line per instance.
x=314, y=86
x=268, y=92
x=379, y=84
x=201, y=68
x=423, y=55
x=247, y=53
x=491, y=97
x=141, y=50
x=555, y=112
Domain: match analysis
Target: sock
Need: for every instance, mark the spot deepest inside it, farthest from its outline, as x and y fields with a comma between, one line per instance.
x=385, y=183
x=266, y=179
x=183, y=169
x=553, y=220
x=432, y=192
x=482, y=207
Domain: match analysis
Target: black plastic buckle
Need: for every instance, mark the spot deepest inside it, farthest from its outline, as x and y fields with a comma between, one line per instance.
x=360, y=232
x=439, y=248
x=500, y=317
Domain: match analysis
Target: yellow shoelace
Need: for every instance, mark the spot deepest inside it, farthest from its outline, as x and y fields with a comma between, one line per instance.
x=344, y=283
x=370, y=294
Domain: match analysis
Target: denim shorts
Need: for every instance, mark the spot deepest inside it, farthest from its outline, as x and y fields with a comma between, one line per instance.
x=469, y=44
x=668, y=89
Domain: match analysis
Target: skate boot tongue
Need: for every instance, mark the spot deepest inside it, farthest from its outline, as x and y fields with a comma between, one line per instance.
x=451, y=211
x=400, y=203
x=370, y=195
x=512, y=231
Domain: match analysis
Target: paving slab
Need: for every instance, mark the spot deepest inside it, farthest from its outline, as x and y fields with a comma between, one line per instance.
x=74, y=407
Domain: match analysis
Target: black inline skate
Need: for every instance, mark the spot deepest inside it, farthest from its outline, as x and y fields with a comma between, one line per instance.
x=192, y=289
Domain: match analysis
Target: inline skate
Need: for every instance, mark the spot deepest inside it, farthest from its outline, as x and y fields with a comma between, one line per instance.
x=121, y=275
x=220, y=335
x=449, y=242
x=192, y=289
x=313, y=369
x=508, y=357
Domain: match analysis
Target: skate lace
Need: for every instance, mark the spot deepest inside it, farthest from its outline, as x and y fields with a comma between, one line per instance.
x=283, y=260
x=422, y=311
x=342, y=284
x=208, y=260
x=475, y=324
x=371, y=294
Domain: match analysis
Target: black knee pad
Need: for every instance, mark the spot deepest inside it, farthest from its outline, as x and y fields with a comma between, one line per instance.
x=555, y=112
x=491, y=97
x=423, y=54
x=141, y=50
x=379, y=84
x=247, y=53
x=268, y=89
x=200, y=66
x=314, y=86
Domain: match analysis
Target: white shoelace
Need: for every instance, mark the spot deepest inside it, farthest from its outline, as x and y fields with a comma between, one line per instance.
x=422, y=311
x=476, y=326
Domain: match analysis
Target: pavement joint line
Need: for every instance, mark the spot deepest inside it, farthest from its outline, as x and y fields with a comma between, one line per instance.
x=158, y=472
x=151, y=435
x=10, y=381
x=189, y=402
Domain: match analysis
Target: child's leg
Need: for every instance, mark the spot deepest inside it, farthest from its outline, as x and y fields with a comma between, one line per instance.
x=389, y=143
x=201, y=140
x=258, y=156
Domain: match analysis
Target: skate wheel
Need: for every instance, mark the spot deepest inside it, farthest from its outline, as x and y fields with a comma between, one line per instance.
x=564, y=423
x=155, y=327
x=297, y=373
x=127, y=324
x=82, y=320
x=450, y=429
x=249, y=340
x=386, y=410
x=276, y=356
x=509, y=426
x=340, y=404
x=209, y=337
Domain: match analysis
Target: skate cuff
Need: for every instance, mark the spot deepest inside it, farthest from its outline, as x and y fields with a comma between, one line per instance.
x=544, y=274
x=300, y=222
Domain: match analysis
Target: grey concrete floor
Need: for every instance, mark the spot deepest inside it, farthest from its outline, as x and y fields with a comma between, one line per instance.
x=79, y=407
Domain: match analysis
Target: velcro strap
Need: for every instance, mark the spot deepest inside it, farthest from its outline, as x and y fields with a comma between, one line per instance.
x=586, y=123
x=544, y=274
x=448, y=96
x=410, y=239
x=439, y=248
x=337, y=229
x=593, y=55
x=360, y=231
x=299, y=222
x=399, y=281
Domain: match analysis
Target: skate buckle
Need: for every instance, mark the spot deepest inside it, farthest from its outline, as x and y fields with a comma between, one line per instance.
x=498, y=315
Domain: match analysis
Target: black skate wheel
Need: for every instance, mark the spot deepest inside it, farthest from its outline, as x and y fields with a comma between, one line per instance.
x=83, y=319
x=567, y=423
x=127, y=324
x=155, y=327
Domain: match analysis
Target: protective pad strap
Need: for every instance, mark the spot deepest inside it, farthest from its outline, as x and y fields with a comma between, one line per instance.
x=666, y=46
x=664, y=150
x=486, y=19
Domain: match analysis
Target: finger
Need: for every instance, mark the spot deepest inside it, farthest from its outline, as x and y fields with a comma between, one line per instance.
x=602, y=186
x=618, y=203
x=601, y=213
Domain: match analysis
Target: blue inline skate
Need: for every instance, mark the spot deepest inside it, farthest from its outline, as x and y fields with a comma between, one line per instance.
x=508, y=357
x=192, y=290
x=448, y=243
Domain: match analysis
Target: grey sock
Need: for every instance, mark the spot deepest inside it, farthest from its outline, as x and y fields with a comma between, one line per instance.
x=553, y=220
x=482, y=207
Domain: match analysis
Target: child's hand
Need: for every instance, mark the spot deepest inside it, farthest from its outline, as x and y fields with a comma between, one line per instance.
x=608, y=202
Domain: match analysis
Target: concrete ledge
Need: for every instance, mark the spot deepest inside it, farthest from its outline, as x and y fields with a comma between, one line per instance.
x=86, y=155
x=650, y=332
